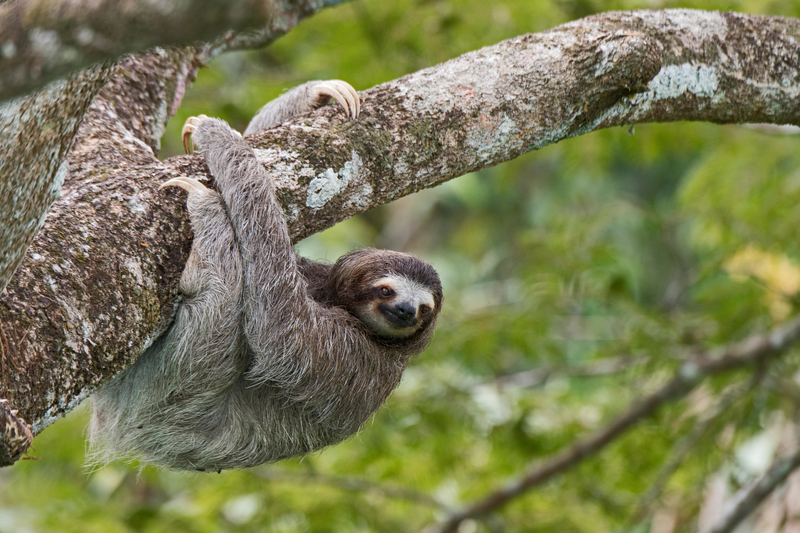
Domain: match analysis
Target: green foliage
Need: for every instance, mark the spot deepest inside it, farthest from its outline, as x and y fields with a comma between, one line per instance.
x=678, y=238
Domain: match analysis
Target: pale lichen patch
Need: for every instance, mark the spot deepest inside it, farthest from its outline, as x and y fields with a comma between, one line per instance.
x=133, y=266
x=672, y=81
x=328, y=184
x=137, y=206
x=493, y=134
x=284, y=166
x=363, y=198
x=57, y=410
x=324, y=187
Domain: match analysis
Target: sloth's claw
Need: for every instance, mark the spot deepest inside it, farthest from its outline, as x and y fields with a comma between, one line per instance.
x=342, y=92
x=189, y=185
x=186, y=133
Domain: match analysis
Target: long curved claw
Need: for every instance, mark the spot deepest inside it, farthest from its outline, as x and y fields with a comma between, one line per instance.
x=186, y=133
x=342, y=92
x=187, y=184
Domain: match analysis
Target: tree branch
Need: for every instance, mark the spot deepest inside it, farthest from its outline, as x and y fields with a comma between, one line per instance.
x=538, y=376
x=682, y=448
x=98, y=285
x=43, y=40
x=45, y=124
x=755, y=349
x=37, y=130
x=746, y=500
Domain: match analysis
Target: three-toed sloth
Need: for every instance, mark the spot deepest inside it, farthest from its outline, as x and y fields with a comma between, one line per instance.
x=270, y=355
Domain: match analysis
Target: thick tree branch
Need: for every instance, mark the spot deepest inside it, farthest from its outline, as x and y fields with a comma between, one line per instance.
x=756, y=349
x=98, y=285
x=36, y=133
x=41, y=40
x=34, y=328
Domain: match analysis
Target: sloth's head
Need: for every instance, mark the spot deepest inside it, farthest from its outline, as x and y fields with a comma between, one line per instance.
x=396, y=295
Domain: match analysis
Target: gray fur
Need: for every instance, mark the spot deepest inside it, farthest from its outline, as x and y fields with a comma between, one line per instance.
x=297, y=101
x=265, y=359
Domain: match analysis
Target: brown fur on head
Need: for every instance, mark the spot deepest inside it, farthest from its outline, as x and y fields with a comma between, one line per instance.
x=396, y=295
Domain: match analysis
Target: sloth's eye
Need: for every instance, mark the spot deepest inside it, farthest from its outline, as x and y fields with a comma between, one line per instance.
x=386, y=292
x=424, y=309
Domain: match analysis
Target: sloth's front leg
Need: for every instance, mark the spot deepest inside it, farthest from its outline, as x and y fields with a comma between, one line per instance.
x=303, y=99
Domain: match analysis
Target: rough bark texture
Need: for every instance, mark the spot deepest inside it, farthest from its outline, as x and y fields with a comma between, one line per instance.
x=37, y=134
x=97, y=286
x=41, y=40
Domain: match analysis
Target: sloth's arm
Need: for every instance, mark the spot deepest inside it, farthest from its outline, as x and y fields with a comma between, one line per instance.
x=303, y=99
x=292, y=337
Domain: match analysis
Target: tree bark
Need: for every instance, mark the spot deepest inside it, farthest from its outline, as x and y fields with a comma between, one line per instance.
x=98, y=284
x=42, y=40
x=37, y=134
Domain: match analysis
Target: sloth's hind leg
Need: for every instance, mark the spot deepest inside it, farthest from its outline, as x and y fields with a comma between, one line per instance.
x=152, y=409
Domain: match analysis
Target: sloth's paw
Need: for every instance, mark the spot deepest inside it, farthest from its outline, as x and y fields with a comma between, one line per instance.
x=339, y=90
x=190, y=185
x=186, y=134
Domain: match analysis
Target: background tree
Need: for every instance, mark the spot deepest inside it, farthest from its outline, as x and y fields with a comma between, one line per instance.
x=581, y=278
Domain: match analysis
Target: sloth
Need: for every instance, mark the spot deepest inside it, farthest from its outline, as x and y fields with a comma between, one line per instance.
x=270, y=355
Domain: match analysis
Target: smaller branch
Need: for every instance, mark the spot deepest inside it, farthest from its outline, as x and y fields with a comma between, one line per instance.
x=602, y=367
x=753, y=350
x=351, y=484
x=15, y=435
x=539, y=474
x=682, y=449
x=788, y=388
x=747, y=499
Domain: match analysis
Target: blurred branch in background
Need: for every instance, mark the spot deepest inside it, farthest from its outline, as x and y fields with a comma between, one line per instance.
x=756, y=349
x=352, y=484
x=688, y=442
x=747, y=499
x=538, y=376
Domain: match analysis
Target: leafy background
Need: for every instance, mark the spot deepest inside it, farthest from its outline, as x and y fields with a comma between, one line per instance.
x=650, y=246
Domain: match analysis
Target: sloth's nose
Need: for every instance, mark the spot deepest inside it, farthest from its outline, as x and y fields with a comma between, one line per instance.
x=405, y=311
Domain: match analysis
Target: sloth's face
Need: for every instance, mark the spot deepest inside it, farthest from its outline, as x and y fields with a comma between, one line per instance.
x=396, y=295
x=397, y=307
